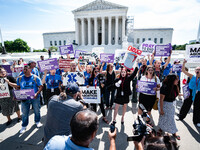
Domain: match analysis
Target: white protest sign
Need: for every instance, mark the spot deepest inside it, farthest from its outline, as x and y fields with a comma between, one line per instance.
x=147, y=47
x=119, y=56
x=98, y=50
x=91, y=94
x=192, y=53
x=73, y=77
x=4, y=90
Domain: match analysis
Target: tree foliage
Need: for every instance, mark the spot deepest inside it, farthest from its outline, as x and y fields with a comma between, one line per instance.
x=181, y=47
x=53, y=48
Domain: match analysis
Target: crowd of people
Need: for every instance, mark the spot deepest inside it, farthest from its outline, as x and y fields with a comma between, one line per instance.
x=70, y=124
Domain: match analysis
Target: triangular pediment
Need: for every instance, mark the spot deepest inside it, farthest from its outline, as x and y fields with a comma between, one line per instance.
x=99, y=5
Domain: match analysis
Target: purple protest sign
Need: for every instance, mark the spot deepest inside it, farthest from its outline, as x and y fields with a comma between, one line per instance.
x=66, y=49
x=177, y=68
x=49, y=64
x=24, y=94
x=8, y=70
x=77, y=52
x=109, y=58
x=146, y=87
x=163, y=50
x=186, y=91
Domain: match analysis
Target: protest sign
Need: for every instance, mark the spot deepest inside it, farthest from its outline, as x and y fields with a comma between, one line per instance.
x=66, y=49
x=146, y=87
x=18, y=69
x=8, y=70
x=163, y=50
x=24, y=94
x=4, y=90
x=186, y=91
x=89, y=56
x=98, y=50
x=105, y=57
x=119, y=56
x=192, y=53
x=73, y=77
x=91, y=94
x=48, y=64
x=177, y=68
x=147, y=47
x=65, y=63
x=130, y=57
x=77, y=52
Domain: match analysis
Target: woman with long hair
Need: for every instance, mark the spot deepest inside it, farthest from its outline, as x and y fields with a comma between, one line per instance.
x=147, y=99
x=9, y=105
x=168, y=93
x=97, y=79
x=123, y=91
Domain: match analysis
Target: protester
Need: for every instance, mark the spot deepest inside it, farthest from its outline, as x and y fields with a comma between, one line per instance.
x=167, y=69
x=97, y=80
x=30, y=81
x=147, y=99
x=49, y=52
x=53, y=82
x=13, y=66
x=168, y=93
x=60, y=111
x=194, y=86
x=123, y=92
x=4, y=62
x=9, y=105
x=87, y=74
x=34, y=70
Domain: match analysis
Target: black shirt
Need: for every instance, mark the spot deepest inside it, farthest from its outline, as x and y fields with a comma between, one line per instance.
x=170, y=94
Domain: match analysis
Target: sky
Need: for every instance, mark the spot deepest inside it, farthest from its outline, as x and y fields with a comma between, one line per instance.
x=29, y=19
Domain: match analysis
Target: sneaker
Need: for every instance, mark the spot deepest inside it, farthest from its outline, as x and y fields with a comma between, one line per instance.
x=23, y=129
x=38, y=124
x=198, y=125
x=19, y=119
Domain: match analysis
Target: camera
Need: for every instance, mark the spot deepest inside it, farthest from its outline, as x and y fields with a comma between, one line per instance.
x=140, y=127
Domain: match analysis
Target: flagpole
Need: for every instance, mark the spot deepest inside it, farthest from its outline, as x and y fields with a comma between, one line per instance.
x=3, y=46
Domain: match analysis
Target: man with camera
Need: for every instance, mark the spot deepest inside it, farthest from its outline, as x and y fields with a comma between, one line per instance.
x=60, y=111
x=84, y=125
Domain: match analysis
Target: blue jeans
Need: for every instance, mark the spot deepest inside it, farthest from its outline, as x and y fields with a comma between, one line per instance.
x=108, y=97
x=25, y=110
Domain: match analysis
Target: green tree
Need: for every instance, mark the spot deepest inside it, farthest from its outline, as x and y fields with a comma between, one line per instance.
x=9, y=46
x=20, y=46
x=53, y=48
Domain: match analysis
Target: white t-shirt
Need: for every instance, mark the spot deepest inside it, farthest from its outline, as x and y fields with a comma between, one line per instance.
x=144, y=78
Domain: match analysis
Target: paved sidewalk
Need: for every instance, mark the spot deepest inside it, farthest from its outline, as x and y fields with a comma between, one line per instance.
x=10, y=139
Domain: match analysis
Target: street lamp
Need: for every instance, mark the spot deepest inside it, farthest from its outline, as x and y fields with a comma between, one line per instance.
x=3, y=46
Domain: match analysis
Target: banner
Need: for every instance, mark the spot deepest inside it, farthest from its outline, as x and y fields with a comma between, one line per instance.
x=66, y=49
x=8, y=70
x=73, y=77
x=4, y=90
x=24, y=94
x=89, y=56
x=98, y=50
x=186, y=91
x=177, y=68
x=147, y=47
x=105, y=57
x=192, y=53
x=91, y=94
x=18, y=69
x=119, y=56
x=146, y=87
x=77, y=53
x=48, y=64
x=130, y=57
x=65, y=63
x=163, y=50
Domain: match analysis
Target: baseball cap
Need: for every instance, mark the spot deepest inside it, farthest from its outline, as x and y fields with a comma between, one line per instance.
x=72, y=88
x=30, y=61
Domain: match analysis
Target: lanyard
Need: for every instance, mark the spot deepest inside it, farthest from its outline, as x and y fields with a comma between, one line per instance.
x=52, y=81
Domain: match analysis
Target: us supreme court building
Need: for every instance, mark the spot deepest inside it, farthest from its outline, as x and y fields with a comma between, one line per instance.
x=105, y=25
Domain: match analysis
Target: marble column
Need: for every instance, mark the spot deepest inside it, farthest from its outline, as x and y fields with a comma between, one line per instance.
x=103, y=30
x=123, y=27
x=109, y=30
x=77, y=30
x=83, y=31
x=89, y=31
x=95, y=31
x=116, y=30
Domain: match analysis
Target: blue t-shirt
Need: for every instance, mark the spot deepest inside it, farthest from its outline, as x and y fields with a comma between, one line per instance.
x=53, y=81
x=87, y=76
x=148, y=63
x=195, y=86
x=117, y=66
x=105, y=66
x=59, y=71
x=29, y=83
x=62, y=142
x=34, y=71
x=167, y=69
